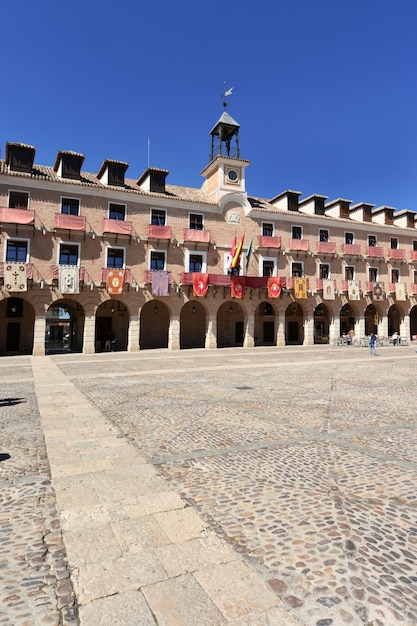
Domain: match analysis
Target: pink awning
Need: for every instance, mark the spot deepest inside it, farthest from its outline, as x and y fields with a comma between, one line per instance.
x=118, y=227
x=159, y=232
x=69, y=222
x=17, y=216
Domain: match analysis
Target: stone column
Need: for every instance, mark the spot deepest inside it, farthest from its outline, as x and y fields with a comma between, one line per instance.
x=89, y=339
x=211, y=334
x=281, y=329
x=360, y=326
x=405, y=327
x=333, y=329
x=174, y=334
x=309, y=330
x=133, y=334
x=39, y=335
x=383, y=326
x=249, y=338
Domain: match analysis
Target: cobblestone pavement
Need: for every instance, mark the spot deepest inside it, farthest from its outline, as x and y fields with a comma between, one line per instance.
x=302, y=459
x=35, y=587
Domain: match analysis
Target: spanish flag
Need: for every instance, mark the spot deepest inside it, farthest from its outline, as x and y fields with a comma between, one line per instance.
x=232, y=251
x=236, y=257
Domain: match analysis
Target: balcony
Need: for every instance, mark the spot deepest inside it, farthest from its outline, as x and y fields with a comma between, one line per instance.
x=397, y=253
x=265, y=241
x=197, y=236
x=117, y=227
x=301, y=245
x=55, y=273
x=17, y=216
x=326, y=247
x=352, y=249
x=69, y=222
x=106, y=270
x=159, y=232
x=375, y=252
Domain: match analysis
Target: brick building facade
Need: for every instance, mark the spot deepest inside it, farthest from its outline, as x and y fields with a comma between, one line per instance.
x=88, y=257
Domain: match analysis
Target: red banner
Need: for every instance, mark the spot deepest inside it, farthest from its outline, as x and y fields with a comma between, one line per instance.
x=200, y=284
x=274, y=287
x=115, y=280
x=238, y=284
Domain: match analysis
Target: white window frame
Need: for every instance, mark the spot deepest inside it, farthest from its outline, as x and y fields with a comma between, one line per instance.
x=120, y=204
x=9, y=191
x=319, y=265
x=349, y=232
x=396, y=247
x=376, y=240
x=226, y=263
x=324, y=230
x=201, y=253
x=372, y=267
x=297, y=226
x=72, y=244
x=273, y=227
x=161, y=211
x=392, y=271
x=7, y=238
x=195, y=213
x=70, y=198
x=297, y=263
x=164, y=252
x=268, y=258
x=108, y=247
x=344, y=272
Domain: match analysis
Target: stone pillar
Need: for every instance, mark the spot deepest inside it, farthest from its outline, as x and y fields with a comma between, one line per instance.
x=89, y=339
x=360, y=326
x=405, y=327
x=174, y=334
x=382, y=326
x=309, y=330
x=211, y=334
x=281, y=329
x=39, y=335
x=249, y=338
x=133, y=334
x=333, y=330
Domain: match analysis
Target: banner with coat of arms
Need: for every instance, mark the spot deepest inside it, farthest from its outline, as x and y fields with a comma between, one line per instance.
x=15, y=277
x=238, y=284
x=69, y=279
x=400, y=292
x=200, y=284
x=328, y=289
x=300, y=288
x=160, y=283
x=115, y=282
x=274, y=287
x=378, y=292
x=353, y=290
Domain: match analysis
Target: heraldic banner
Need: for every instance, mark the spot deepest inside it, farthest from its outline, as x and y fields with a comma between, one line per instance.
x=400, y=292
x=353, y=290
x=378, y=293
x=115, y=282
x=328, y=289
x=200, y=284
x=15, y=277
x=274, y=287
x=300, y=288
x=160, y=283
x=238, y=286
x=69, y=281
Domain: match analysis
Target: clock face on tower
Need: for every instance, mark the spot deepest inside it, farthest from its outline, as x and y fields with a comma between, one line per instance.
x=232, y=176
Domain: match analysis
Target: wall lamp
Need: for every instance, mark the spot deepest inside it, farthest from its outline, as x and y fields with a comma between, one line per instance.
x=155, y=308
x=193, y=309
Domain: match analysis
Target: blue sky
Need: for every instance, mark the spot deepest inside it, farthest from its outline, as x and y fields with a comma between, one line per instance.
x=325, y=92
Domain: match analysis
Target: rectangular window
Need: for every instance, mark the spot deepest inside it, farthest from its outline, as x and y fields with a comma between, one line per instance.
x=70, y=206
x=324, y=270
x=117, y=211
x=373, y=274
x=323, y=234
x=394, y=243
x=349, y=238
x=414, y=246
x=115, y=258
x=195, y=263
x=395, y=276
x=415, y=277
x=268, y=267
x=372, y=241
x=18, y=200
x=267, y=231
x=296, y=270
x=158, y=217
x=157, y=261
x=16, y=251
x=349, y=272
x=196, y=221
x=68, y=254
x=297, y=232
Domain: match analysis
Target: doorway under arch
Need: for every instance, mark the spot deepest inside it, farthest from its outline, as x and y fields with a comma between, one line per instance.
x=321, y=324
x=64, y=327
x=230, y=325
x=294, y=325
x=371, y=320
x=17, y=318
x=394, y=320
x=192, y=325
x=154, y=325
x=112, y=322
x=346, y=320
x=265, y=327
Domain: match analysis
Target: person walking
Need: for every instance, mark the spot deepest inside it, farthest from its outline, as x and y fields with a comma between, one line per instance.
x=372, y=344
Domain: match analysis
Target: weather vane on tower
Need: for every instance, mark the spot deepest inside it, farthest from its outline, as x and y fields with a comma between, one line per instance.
x=226, y=92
